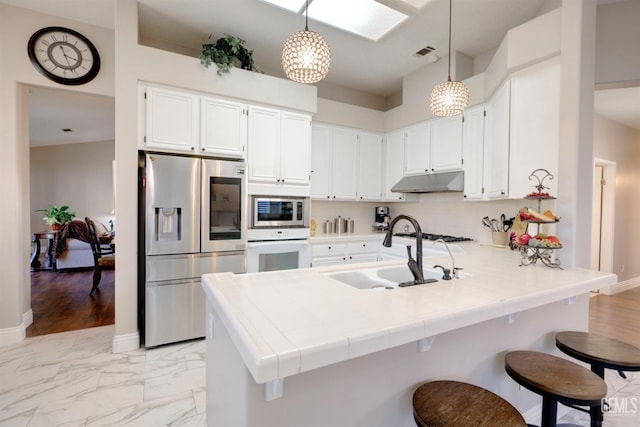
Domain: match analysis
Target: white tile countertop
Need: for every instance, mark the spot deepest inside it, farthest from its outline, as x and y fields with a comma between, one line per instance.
x=345, y=237
x=287, y=322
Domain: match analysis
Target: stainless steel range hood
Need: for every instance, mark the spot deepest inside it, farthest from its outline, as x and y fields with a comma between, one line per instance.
x=430, y=183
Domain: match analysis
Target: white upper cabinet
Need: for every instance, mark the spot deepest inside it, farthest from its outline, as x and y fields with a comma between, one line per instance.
x=172, y=122
x=321, y=154
x=394, y=164
x=295, y=147
x=446, y=144
x=473, y=146
x=370, y=167
x=417, y=149
x=496, y=140
x=278, y=147
x=223, y=127
x=344, y=163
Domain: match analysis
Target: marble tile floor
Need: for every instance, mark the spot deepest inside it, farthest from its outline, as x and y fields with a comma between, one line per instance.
x=73, y=379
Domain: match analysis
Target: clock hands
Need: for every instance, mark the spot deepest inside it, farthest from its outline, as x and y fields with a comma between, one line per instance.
x=67, y=57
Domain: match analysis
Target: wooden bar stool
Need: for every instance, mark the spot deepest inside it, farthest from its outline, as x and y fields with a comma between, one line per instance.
x=556, y=380
x=601, y=353
x=453, y=403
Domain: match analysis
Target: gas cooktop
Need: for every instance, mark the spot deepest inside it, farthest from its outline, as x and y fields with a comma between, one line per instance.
x=430, y=236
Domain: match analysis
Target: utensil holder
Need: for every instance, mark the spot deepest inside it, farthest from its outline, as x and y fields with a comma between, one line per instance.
x=500, y=239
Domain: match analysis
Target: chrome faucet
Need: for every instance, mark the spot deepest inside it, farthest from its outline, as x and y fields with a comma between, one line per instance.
x=414, y=265
x=454, y=269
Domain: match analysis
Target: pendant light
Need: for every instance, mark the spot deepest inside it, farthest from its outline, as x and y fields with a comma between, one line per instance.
x=451, y=97
x=306, y=56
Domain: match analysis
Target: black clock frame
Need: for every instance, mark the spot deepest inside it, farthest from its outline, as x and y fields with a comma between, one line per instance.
x=93, y=71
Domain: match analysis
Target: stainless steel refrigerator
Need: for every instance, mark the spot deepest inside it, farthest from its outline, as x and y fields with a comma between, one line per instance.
x=193, y=221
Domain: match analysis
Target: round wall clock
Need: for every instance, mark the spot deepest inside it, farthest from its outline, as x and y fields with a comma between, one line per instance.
x=63, y=55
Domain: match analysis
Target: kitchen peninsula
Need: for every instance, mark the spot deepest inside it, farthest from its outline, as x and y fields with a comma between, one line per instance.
x=300, y=347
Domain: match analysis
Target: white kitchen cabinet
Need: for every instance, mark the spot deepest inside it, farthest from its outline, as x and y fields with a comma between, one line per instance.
x=337, y=252
x=278, y=147
x=321, y=152
x=496, y=140
x=223, y=130
x=446, y=144
x=343, y=164
x=417, y=149
x=172, y=122
x=473, y=146
x=346, y=163
x=369, y=166
x=394, y=164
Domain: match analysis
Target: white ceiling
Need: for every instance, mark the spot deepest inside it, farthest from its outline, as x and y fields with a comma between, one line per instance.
x=183, y=25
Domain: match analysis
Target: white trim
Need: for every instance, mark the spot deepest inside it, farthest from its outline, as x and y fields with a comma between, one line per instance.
x=621, y=286
x=126, y=342
x=12, y=335
x=27, y=319
x=608, y=214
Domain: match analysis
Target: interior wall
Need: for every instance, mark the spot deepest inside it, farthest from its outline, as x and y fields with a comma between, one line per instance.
x=77, y=175
x=621, y=144
x=16, y=26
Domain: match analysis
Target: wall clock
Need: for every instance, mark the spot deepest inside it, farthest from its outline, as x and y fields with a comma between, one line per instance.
x=64, y=55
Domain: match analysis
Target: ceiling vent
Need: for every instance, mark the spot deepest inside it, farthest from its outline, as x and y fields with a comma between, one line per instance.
x=424, y=51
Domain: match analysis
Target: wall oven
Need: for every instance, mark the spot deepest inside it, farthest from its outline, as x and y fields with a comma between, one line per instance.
x=278, y=238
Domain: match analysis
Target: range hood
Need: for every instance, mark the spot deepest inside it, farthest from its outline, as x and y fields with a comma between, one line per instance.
x=430, y=183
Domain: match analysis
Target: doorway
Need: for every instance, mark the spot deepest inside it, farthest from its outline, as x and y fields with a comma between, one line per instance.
x=602, y=226
x=71, y=155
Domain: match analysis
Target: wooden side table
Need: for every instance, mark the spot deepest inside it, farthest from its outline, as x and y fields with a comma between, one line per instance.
x=49, y=262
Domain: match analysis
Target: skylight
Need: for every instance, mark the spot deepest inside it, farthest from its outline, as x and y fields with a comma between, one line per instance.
x=366, y=18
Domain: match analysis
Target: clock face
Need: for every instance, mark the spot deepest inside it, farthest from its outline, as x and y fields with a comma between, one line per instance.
x=63, y=55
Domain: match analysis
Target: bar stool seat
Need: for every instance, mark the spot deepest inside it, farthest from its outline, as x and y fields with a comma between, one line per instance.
x=454, y=403
x=556, y=380
x=601, y=353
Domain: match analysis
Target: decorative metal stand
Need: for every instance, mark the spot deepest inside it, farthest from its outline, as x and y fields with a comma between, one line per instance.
x=531, y=254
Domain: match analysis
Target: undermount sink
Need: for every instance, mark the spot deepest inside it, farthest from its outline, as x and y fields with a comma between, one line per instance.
x=382, y=278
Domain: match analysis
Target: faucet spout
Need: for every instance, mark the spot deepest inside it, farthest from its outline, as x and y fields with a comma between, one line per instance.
x=454, y=269
x=416, y=269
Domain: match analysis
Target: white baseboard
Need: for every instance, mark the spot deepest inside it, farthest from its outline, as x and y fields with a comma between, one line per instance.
x=126, y=342
x=27, y=319
x=621, y=286
x=12, y=335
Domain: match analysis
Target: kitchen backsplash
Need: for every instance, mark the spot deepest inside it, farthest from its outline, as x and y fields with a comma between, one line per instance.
x=442, y=213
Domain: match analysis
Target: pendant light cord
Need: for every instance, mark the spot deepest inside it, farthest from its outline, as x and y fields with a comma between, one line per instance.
x=450, y=8
x=306, y=17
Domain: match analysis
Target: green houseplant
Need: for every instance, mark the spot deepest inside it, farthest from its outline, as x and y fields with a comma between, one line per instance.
x=56, y=216
x=226, y=52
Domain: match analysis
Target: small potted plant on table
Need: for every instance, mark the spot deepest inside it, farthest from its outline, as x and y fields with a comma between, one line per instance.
x=56, y=216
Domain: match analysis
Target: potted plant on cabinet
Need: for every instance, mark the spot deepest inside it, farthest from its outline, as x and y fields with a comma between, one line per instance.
x=228, y=51
x=56, y=216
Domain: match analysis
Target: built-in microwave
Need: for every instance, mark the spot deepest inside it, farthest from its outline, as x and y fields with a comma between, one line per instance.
x=279, y=212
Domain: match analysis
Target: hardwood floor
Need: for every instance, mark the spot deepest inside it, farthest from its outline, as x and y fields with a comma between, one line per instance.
x=616, y=316
x=60, y=301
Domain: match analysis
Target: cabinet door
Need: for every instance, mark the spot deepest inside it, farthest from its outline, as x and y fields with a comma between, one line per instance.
x=496, y=142
x=295, y=140
x=473, y=145
x=264, y=145
x=361, y=258
x=370, y=167
x=321, y=148
x=344, y=161
x=223, y=127
x=417, y=149
x=171, y=120
x=394, y=163
x=446, y=144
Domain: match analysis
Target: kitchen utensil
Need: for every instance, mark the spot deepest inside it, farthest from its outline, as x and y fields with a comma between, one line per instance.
x=502, y=219
x=487, y=223
x=507, y=224
x=495, y=225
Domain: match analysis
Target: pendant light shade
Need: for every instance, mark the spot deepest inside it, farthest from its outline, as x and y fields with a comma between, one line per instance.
x=306, y=56
x=451, y=97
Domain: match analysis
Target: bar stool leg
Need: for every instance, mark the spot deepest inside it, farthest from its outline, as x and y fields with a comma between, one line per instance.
x=549, y=412
x=595, y=412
